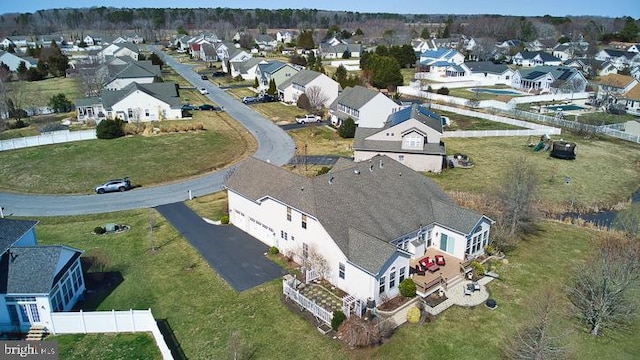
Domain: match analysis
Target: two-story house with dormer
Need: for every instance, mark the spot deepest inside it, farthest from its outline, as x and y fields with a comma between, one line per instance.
x=367, y=108
x=307, y=81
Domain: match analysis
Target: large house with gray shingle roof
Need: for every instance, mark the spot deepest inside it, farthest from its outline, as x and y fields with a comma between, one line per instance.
x=535, y=58
x=411, y=136
x=301, y=83
x=367, y=220
x=118, y=76
x=549, y=79
x=133, y=103
x=35, y=280
x=368, y=108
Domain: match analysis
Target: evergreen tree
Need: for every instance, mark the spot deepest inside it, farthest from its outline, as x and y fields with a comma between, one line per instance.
x=347, y=129
x=425, y=34
x=60, y=104
x=305, y=40
x=629, y=32
x=272, y=88
x=255, y=83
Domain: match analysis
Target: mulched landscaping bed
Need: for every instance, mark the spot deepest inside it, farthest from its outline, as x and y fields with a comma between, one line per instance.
x=393, y=304
x=434, y=299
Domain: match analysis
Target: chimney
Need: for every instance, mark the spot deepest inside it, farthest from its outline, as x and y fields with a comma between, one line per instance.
x=380, y=164
x=370, y=166
x=330, y=177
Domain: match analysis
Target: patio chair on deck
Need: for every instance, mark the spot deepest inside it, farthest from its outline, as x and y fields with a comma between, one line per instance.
x=440, y=260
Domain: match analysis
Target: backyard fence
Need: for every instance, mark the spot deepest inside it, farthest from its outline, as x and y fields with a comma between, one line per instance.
x=109, y=322
x=319, y=312
x=55, y=137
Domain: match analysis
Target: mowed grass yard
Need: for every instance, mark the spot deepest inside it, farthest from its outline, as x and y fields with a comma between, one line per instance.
x=38, y=93
x=605, y=171
x=78, y=167
x=179, y=286
x=106, y=346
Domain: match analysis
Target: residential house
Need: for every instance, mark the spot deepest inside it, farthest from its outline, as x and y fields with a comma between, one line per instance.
x=634, y=48
x=207, y=52
x=265, y=42
x=275, y=70
x=615, y=85
x=500, y=73
x=134, y=103
x=284, y=37
x=536, y=58
x=119, y=50
x=35, y=280
x=632, y=100
x=13, y=61
x=368, y=221
x=549, y=79
x=231, y=54
x=307, y=81
x=619, y=58
x=92, y=40
x=591, y=67
x=570, y=50
x=443, y=63
x=635, y=72
x=338, y=51
x=411, y=136
x=541, y=45
x=368, y=108
x=247, y=68
x=118, y=76
x=421, y=45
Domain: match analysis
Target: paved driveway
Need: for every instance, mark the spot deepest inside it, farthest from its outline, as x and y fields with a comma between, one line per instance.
x=232, y=253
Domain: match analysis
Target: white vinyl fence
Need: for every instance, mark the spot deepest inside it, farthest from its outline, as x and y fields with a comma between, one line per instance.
x=109, y=322
x=317, y=311
x=55, y=137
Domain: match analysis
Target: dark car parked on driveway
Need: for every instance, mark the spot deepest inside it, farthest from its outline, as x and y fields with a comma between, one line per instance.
x=204, y=77
x=267, y=98
x=209, y=107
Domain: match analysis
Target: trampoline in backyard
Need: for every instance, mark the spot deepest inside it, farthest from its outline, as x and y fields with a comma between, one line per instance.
x=495, y=91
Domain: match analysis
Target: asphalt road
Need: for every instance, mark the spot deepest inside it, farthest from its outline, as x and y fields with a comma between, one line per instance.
x=274, y=145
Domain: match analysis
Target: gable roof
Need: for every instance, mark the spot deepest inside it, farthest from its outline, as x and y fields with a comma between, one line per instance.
x=418, y=112
x=12, y=230
x=354, y=97
x=543, y=55
x=302, y=78
x=619, y=53
x=165, y=92
x=558, y=72
x=361, y=142
x=487, y=67
x=32, y=269
x=616, y=80
x=349, y=205
x=634, y=93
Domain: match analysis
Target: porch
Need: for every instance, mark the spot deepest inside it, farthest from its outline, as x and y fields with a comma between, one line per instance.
x=438, y=277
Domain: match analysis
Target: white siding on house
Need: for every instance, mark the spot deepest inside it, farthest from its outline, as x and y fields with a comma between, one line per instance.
x=120, y=83
x=417, y=162
x=145, y=108
x=374, y=113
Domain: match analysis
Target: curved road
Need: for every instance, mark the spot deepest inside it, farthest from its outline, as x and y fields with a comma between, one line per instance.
x=274, y=145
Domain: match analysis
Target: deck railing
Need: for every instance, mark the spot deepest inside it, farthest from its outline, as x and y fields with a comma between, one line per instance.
x=318, y=311
x=426, y=288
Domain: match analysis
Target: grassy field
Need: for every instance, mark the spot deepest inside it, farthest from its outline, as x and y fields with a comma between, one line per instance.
x=179, y=286
x=466, y=94
x=106, y=346
x=600, y=118
x=462, y=122
x=279, y=112
x=38, y=93
x=605, y=171
x=321, y=140
x=79, y=166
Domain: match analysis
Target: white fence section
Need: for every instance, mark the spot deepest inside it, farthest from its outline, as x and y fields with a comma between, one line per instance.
x=109, y=321
x=55, y=137
x=310, y=275
x=319, y=312
x=549, y=97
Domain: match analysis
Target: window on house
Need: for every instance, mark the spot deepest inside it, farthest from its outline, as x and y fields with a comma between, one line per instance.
x=305, y=250
x=341, y=269
x=146, y=112
x=130, y=112
x=400, y=157
x=381, y=285
x=288, y=213
x=392, y=279
x=304, y=221
x=401, y=275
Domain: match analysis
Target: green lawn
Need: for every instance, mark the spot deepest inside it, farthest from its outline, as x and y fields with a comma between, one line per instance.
x=106, y=346
x=466, y=94
x=321, y=140
x=601, y=118
x=605, y=171
x=279, y=112
x=79, y=166
x=462, y=122
x=38, y=93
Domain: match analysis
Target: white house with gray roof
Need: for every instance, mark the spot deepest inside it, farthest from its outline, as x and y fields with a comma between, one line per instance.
x=368, y=108
x=13, y=61
x=134, y=103
x=35, y=280
x=300, y=83
x=411, y=136
x=118, y=76
x=368, y=220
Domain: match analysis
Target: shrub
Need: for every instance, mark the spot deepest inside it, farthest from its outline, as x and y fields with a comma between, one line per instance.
x=489, y=250
x=337, y=320
x=347, y=129
x=224, y=219
x=110, y=129
x=273, y=250
x=303, y=102
x=99, y=230
x=478, y=268
x=323, y=170
x=413, y=315
x=443, y=91
x=131, y=129
x=358, y=333
x=407, y=288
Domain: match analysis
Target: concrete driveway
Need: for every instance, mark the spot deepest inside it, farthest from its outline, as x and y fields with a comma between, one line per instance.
x=274, y=145
x=235, y=255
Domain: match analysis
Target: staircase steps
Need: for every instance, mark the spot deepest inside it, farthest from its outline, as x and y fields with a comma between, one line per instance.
x=36, y=333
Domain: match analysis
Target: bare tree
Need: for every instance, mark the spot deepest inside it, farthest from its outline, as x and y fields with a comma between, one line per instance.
x=317, y=98
x=4, y=115
x=92, y=77
x=536, y=340
x=601, y=290
x=517, y=194
x=628, y=220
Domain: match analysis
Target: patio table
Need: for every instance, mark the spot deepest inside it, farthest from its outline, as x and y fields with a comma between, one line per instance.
x=433, y=268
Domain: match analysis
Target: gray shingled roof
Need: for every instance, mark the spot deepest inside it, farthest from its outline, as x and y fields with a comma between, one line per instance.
x=165, y=92
x=361, y=144
x=486, y=66
x=543, y=55
x=302, y=78
x=32, y=269
x=358, y=205
x=11, y=230
x=354, y=97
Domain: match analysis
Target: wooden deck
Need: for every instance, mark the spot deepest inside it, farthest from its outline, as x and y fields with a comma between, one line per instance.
x=433, y=281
